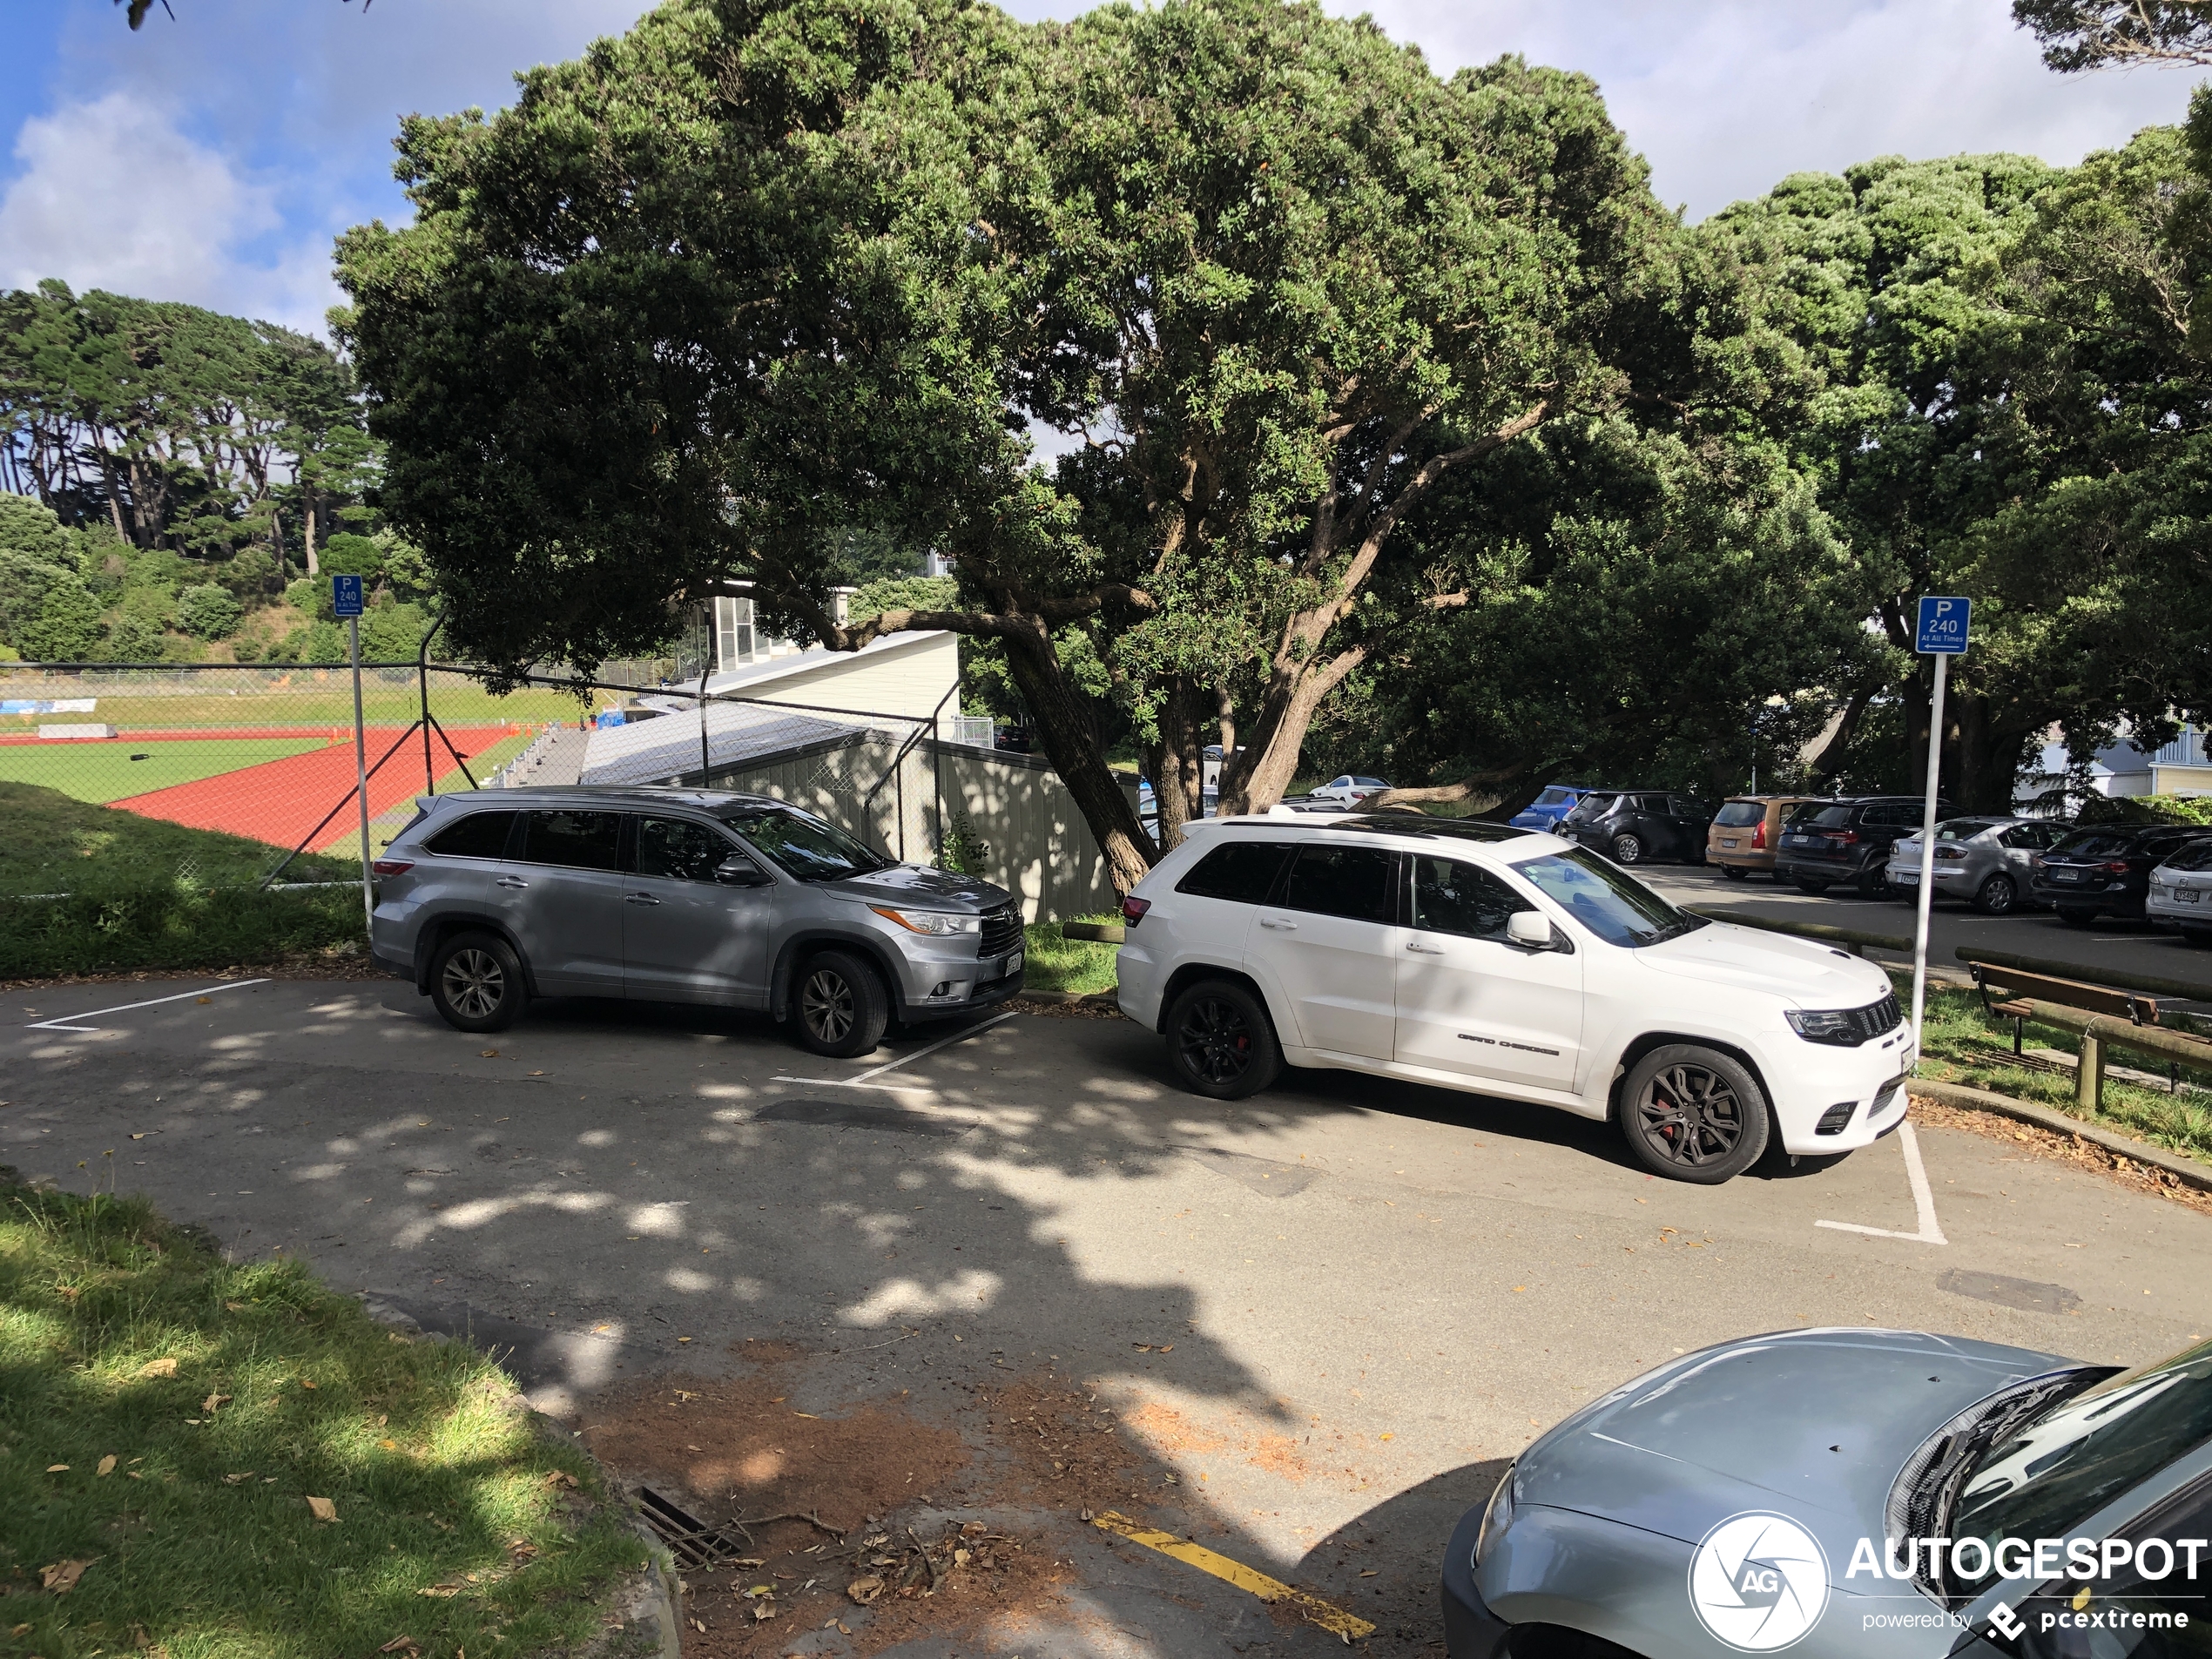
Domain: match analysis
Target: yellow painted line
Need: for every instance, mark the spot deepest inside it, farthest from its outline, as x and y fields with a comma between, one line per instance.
x=1333, y=1619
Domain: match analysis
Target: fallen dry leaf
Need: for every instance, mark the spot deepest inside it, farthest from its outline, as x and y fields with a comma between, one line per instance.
x=303, y=1383
x=58, y=1468
x=400, y=1644
x=865, y=1590
x=322, y=1509
x=166, y=1367
x=560, y=1478
x=61, y=1578
x=209, y=1406
x=441, y=1589
x=762, y=1612
x=107, y=1464
x=488, y=1054
x=389, y=1446
x=238, y=1479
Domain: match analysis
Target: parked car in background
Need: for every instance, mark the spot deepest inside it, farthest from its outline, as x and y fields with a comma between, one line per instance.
x=1148, y=806
x=1738, y=1499
x=2105, y=871
x=489, y=900
x=1349, y=789
x=1547, y=809
x=1474, y=956
x=1848, y=841
x=1636, y=826
x=1745, y=833
x=2181, y=891
x=1988, y=862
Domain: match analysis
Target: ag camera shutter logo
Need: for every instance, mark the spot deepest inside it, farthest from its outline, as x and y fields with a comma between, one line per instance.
x=1758, y=1583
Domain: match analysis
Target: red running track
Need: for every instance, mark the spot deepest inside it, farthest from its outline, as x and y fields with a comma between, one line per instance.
x=280, y=801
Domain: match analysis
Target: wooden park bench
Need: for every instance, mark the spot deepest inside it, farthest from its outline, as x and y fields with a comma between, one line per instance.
x=2093, y=1012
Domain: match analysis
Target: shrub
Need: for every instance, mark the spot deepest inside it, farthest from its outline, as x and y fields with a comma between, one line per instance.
x=2146, y=809
x=68, y=626
x=210, y=611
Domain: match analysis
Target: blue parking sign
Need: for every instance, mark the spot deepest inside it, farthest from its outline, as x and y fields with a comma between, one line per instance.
x=1944, y=624
x=345, y=595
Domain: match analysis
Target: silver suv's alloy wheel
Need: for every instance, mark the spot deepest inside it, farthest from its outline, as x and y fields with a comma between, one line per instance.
x=826, y=1004
x=474, y=983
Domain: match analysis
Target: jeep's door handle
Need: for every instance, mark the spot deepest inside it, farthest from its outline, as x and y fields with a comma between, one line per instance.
x=639, y=897
x=512, y=881
x=1425, y=950
x=1280, y=927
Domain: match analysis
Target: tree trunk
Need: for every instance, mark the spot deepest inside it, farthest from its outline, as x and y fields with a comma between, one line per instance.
x=1071, y=743
x=1225, y=712
x=1982, y=748
x=307, y=539
x=1918, y=707
x=1178, y=774
x=1830, y=761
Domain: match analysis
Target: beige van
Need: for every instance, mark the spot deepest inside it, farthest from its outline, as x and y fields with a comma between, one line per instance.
x=1745, y=833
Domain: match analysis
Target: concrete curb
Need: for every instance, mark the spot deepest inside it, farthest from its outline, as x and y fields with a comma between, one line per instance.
x=2187, y=1171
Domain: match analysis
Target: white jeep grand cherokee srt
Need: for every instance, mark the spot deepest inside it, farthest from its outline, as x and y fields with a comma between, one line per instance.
x=1507, y=962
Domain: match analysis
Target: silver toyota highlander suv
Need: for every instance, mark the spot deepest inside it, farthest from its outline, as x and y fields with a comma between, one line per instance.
x=682, y=895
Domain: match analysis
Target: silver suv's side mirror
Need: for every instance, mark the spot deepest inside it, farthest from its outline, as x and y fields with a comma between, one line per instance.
x=1528, y=929
x=741, y=873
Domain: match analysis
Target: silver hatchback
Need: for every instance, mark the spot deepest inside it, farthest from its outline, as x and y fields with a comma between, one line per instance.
x=1988, y=862
x=683, y=895
x=2180, y=893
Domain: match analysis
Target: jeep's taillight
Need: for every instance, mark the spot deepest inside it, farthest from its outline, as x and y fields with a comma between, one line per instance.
x=2118, y=867
x=392, y=866
x=1133, y=909
x=1844, y=838
x=1758, y=835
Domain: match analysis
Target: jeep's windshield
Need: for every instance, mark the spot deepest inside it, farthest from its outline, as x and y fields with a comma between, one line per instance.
x=1606, y=900
x=802, y=844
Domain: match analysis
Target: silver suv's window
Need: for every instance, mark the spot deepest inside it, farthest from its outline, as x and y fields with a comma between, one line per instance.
x=803, y=846
x=1351, y=882
x=574, y=840
x=478, y=835
x=1606, y=900
x=676, y=849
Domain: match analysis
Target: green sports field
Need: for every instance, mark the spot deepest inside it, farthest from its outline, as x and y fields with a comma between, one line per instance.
x=100, y=770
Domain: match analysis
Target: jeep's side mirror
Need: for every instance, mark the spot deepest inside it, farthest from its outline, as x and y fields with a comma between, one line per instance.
x=741, y=873
x=1528, y=929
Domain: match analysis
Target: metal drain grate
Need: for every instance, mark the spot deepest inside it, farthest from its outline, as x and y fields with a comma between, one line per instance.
x=689, y=1540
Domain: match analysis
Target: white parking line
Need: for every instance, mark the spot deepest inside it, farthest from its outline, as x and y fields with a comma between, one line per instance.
x=1923, y=1199
x=861, y=1082
x=60, y=1022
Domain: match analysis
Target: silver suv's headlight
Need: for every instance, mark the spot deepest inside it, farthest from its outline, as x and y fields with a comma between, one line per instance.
x=930, y=922
x=1499, y=1515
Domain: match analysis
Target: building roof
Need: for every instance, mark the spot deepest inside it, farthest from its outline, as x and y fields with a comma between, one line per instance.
x=738, y=734
x=748, y=680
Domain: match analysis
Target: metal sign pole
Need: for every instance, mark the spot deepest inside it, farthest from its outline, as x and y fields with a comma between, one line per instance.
x=1945, y=625
x=1927, y=853
x=360, y=773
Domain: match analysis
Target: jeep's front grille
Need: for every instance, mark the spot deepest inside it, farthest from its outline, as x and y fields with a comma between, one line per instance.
x=1878, y=1019
x=1003, y=932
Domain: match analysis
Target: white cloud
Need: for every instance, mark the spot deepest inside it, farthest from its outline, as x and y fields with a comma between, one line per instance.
x=112, y=195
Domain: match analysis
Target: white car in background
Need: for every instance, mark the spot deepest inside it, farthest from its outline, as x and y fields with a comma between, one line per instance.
x=1349, y=789
x=1475, y=956
x=2180, y=893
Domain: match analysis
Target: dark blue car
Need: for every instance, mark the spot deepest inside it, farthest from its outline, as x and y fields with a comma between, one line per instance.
x=1545, y=811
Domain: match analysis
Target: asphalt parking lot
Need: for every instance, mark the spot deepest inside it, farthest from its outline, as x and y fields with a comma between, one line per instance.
x=1329, y=1313
x=2109, y=947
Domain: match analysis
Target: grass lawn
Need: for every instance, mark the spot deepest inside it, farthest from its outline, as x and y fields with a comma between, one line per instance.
x=279, y=697
x=1964, y=1045
x=1055, y=962
x=52, y=842
x=109, y=770
x=166, y=1418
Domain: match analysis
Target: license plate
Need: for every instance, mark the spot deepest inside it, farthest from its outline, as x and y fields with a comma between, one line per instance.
x=2066, y=875
x=1013, y=966
x=1804, y=841
x=1730, y=845
x=1906, y=878
x=2185, y=895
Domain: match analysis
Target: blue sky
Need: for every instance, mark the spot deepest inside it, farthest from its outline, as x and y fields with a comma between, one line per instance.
x=213, y=158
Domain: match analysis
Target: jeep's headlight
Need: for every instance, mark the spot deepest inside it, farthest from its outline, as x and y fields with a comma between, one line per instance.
x=930, y=922
x=1499, y=1515
x=1838, y=1026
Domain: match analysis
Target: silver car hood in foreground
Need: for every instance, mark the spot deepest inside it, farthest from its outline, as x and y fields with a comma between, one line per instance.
x=1812, y=1425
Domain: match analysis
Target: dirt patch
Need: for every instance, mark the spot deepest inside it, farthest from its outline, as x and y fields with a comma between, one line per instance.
x=907, y=1526
x=2038, y=1141
x=349, y=962
x=1066, y=1010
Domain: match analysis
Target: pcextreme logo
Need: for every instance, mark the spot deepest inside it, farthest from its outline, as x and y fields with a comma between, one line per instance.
x=1758, y=1581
